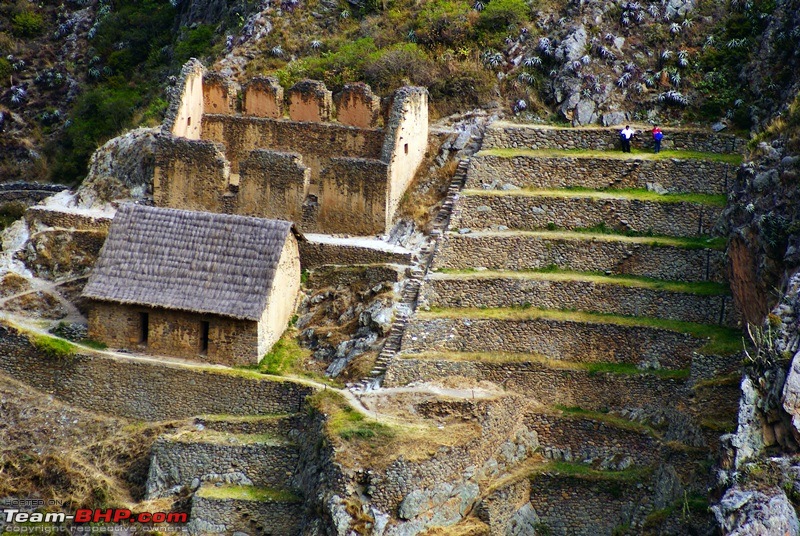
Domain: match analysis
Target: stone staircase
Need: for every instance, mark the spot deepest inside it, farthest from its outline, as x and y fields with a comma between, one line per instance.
x=591, y=282
x=241, y=470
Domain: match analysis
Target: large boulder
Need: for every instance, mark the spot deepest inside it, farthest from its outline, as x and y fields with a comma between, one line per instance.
x=756, y=513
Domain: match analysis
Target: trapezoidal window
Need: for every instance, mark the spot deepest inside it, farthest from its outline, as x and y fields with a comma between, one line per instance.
x=144, y=327
x=405, y=148
x=204, y=330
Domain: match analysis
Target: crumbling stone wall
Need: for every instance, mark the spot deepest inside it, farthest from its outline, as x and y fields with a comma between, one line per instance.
x=234, y=516
x=579, y=295
x=531, y=213
x=263, y=97
x=273, y=184
x=520, y=251
x=701, y=176
x=190, y=174
x=358, y=106
x=313, y=254
x=504, y=135
x=310, y=100
x=42, y=217
x=185, y=114
x=144, y=390
x=175, y=333
x=219, y=94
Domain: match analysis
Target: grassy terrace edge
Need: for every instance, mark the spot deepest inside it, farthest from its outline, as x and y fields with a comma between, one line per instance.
x=667, y=154
x=606, y=234
x=722, y=340
x=593, y=369
x=550, y=273
x=227, y=438
x=247, y=493
x=626, y=194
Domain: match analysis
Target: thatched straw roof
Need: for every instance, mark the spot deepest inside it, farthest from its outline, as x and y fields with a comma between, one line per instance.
x=192, y=261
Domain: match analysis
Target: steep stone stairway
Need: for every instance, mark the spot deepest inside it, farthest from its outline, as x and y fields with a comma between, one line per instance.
x=590, y=281
x=242, y=471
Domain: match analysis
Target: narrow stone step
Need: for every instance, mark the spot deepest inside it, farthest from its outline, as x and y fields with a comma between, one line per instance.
x=705, y=303
x=566, y=169
x=245, y=509
x=657, y=257
x=570, y=336
x=188, y=459
x=566, y=209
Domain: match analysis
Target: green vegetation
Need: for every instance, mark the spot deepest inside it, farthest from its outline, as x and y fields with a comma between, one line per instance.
x=554, y=273
x=198, y=43
x=604, y=233
x=613, y=420
x=222, y=438
x=11, y=212
x=5, y=69
x=52, y=347
x=286, y=359
x=27, y=24
x=721, y=340
x=498, y=15
x=97, y=345
x=634, y=194
x=247, y=493
x=635, y=154
x=344, y=421
x=586, y=472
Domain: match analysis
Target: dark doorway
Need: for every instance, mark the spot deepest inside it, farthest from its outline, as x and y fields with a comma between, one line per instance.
x=204, y=329
x=144, y=327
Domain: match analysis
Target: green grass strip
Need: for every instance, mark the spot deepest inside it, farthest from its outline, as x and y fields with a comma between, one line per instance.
x=635, y=154
x=722, y=340
x=593, y=369
x=247, y=493
x=613, y=420
x=632, y=194
x=586, y=472
x=554, y=273
x=607, y=234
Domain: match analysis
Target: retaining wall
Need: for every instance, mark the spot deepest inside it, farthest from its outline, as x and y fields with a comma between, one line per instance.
x=571, y=341
x=235, y=516
x=314, y=254
x=465, y=291
x=179, y=462
x=502, y=134
x=144, y=389
x=594, y=392
x=520, y=251
x=44, y=217
x=530, y=212
x=691, y=175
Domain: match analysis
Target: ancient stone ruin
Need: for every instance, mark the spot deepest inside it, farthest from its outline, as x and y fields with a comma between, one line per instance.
x=329, y=177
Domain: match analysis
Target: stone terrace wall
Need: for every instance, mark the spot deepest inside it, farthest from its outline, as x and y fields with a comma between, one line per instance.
x=314, y=254
x=675, y=175
x=512, y=251
x=530, y=213
x=232, y=516
x=141, y=389
x=578, y=295
x=578, y=438
x=177, y=462
x=594, y=392
x=43, y=217
x=571, y=341
x=571, y=506
x=27, y=192
x=507, y=135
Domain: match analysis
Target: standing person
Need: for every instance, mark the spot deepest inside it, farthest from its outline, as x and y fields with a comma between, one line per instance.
x=625, y=136
x=657, y=137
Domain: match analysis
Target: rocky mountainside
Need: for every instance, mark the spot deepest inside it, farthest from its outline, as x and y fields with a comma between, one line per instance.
x=75, y=74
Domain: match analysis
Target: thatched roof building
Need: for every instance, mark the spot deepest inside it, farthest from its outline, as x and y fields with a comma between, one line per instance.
x=195, y=262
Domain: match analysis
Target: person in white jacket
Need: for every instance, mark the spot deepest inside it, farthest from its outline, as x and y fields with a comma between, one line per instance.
x=625, y=136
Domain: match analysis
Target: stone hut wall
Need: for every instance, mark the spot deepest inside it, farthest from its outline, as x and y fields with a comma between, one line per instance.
x=352, y=196
x=185, y=114
x=507, y=135
x=175, y=333
x=358, y=106
x=144, y=390
x=263, y=97
x=219, y=94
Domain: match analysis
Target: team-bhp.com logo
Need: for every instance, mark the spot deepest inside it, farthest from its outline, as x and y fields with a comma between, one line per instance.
x=86, y=515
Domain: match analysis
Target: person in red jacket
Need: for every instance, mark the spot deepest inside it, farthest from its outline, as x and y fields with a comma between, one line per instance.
x=657, y=137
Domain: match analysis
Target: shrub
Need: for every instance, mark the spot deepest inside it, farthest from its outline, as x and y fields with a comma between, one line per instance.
x=197, y=43
x=499, y=14
x=387, y=68
x=443, y=23
x=5, y=70
x=27, y=24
